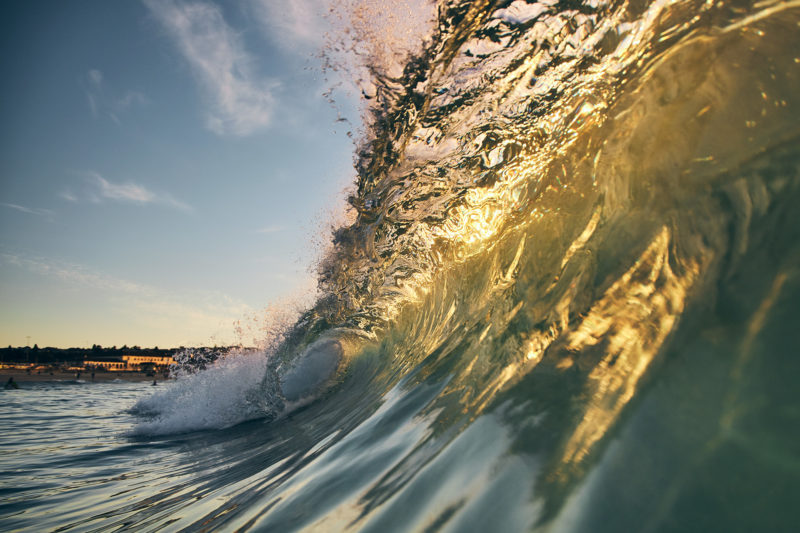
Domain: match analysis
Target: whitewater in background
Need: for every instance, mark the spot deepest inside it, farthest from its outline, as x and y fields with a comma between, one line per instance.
x=567, y=301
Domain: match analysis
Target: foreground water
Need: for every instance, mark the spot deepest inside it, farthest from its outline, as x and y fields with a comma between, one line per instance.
x=568, y=301
x=711, y=446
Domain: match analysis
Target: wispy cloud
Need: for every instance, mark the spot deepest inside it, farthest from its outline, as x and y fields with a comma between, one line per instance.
x=130, y=192
x=29, y=210
x=96, y=77
x=133, y=193
x=271, y=229
x=298, y=24
x=72, y=273
x=68, y=196
x=241, y=102
x=197, y=314
x=99, y=189
x=103, y=101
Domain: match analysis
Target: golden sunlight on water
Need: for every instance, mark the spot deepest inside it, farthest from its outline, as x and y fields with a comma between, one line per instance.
x=629, y=323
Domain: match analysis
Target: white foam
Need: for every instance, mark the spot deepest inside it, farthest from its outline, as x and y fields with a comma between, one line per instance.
x=215, y=398
x=520, y=12
x=369, y=37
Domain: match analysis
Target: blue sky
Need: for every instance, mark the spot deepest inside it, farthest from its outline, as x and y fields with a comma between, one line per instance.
x=165, y=168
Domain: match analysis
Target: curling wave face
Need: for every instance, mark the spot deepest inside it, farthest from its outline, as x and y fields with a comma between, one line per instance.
x=566, y=175
x=576, y=243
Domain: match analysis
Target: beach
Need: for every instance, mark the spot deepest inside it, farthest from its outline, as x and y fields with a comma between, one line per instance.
x=22, y=376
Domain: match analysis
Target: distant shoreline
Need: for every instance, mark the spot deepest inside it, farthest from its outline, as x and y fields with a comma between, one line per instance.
x=22, y=377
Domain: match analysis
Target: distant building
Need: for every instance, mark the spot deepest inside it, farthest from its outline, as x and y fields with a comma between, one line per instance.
x=108, y=365
x=133, y=363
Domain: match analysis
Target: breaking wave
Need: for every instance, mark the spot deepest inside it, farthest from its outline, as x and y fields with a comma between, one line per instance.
x=574, y=230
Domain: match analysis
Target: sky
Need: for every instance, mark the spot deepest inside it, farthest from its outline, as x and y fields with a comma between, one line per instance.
x=166, y=168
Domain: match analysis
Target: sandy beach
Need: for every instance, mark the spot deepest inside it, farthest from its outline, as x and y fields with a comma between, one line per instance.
x=22, y=377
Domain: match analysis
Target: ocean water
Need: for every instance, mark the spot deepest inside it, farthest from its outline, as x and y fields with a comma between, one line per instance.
x=568, y=301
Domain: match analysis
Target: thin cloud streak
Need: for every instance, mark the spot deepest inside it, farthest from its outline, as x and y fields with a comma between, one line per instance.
x=68, y=196
x=29, y=210
x=241, y=102
x=74, y=274
x=125, y=191
x=128, y=192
